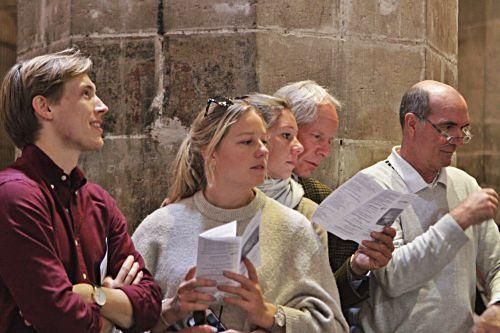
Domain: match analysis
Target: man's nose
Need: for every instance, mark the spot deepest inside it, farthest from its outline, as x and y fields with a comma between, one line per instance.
x=100, y=106
x=297, y=147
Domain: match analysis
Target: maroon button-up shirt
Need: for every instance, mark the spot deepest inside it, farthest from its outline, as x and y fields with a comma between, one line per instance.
x=55, y=231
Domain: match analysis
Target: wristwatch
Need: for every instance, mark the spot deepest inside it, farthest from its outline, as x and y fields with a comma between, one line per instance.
x=279, y=319
x=99, y=296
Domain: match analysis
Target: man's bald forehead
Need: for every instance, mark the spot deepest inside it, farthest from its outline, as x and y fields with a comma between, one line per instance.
x=436, y=88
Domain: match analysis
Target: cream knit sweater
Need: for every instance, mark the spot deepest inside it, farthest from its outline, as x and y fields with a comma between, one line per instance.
x=294, y=272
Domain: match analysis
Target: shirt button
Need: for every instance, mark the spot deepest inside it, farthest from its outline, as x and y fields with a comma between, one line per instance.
x=76, y=242
x=67, y=210
x=76, y=192
x=63, y=177
x=51, y=186
x=84, y=276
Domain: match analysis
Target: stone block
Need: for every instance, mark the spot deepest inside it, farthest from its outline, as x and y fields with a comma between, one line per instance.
x=134, y=171
x=492, y=61
x=492, y=10
x=9, y=28
x=6, y=149
x=283, y=58
x=113, y=17
x=124, y=75
x=491, y=171
x=350, y=156
x=491, y=134
x=355, y=155
x=442, y=26
x=323, y=16
x=373, y=79
x=471, y=162
x=42, y=22
x=389, y=18
x=440, y=69
x=206, y=65
x=471, y=13
x=472, y=46
x=209, y=14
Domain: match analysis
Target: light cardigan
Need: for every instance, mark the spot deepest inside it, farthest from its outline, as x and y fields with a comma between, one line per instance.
x=430, y=283
x=294, y=272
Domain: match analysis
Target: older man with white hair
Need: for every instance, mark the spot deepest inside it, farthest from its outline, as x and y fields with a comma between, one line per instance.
x=315, y=110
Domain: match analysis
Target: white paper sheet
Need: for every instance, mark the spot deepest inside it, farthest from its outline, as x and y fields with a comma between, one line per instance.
x=360, y=206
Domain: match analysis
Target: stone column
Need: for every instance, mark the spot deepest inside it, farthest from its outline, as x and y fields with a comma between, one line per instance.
x=7, y=59
x=158, y=61
x=479, y=82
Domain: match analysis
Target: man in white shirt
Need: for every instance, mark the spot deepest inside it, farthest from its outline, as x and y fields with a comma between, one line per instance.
x=445, y=235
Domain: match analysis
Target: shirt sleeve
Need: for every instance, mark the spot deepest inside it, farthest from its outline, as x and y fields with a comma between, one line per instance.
x=488, y=258
x=30, y=267
x=145, y=296
x=434, y=249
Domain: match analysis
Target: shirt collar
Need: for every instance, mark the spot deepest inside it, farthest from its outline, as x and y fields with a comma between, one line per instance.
x=35, y=159
x=410, y=176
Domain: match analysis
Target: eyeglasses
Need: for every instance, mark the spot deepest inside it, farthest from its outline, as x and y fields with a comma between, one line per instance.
x=221, y=101
x=453, y=140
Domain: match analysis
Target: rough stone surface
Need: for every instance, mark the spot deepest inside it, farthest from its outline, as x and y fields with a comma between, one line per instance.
x=403, y=19
x=357, y=155
x=323, y=16
x=479, y=82
x=134, y=171
x=124, y=74
x=113, y=17
x=374, y=77
x=439, y=68
x=283, y=58
x=7, y=59
x=209, y=14
x=442, y=26
x=42, y=22
x=206, y=65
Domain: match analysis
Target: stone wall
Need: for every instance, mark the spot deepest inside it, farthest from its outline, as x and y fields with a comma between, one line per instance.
x=157, y=61
x=7, y=59
x=479, y=81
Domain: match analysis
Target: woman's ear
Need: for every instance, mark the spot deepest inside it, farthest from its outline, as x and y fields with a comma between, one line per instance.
x=41, y=106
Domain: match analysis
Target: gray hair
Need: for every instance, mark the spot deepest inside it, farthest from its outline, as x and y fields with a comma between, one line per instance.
x=304, y=98
x=416, y=101
x=270, y=107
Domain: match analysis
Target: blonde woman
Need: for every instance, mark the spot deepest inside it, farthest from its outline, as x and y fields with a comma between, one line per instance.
x=219, y=164
x=284, y=150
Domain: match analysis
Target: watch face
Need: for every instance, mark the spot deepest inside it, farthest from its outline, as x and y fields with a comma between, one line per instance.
x=280, y=318
x=99, y=296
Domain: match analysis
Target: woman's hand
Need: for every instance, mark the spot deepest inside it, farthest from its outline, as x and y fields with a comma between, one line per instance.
x=186, y=300
x=250, y=300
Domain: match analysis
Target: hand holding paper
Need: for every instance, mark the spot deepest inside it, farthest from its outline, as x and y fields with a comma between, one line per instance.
x=220, y=249
x=360, y=206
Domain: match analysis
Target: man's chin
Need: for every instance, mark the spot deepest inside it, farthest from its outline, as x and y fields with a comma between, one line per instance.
x=303, y=172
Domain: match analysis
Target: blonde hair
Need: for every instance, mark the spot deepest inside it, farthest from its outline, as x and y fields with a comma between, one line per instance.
x=190, y=171
x=304, y=98
x=270, y=107
x=44, y=75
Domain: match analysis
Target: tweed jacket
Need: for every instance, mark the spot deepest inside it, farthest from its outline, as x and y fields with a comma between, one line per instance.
x=339, y=250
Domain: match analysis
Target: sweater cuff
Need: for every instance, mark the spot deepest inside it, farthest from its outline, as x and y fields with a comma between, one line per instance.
x=449, y=229
x=294, y=320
